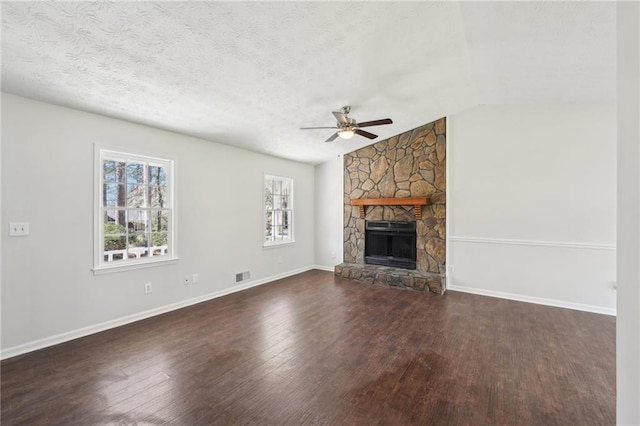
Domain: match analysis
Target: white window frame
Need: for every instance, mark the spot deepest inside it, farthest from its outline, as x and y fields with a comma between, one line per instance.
x=101, y=266
x=291, y=239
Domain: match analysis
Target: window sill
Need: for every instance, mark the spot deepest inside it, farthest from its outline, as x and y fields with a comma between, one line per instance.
x=276, y=245
x=133, y=266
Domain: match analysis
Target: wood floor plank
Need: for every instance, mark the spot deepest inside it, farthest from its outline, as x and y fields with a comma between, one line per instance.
x=317, y=349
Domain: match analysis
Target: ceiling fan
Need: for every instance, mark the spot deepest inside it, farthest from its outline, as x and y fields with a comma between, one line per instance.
x=346, y=126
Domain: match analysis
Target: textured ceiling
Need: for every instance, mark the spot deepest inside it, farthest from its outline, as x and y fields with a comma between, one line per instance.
x=250, y=74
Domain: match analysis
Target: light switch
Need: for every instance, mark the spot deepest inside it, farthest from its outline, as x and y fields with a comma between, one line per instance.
x=18, y=229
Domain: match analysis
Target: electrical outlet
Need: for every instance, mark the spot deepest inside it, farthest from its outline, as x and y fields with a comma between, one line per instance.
x=450, y=269
x=195, y=278
x=186, y=280
x=147, y=288
x=333, y=254
x=18, y=229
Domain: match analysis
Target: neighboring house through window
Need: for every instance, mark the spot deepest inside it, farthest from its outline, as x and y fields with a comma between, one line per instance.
x=278, y=210
x=135, y=210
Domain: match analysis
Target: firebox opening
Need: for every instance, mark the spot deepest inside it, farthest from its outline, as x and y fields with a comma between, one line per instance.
x=390, y=243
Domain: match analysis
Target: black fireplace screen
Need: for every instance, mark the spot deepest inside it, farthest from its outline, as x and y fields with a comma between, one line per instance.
x=390, y=243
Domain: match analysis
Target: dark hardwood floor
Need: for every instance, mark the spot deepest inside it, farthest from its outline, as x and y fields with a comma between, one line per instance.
x=315, y=349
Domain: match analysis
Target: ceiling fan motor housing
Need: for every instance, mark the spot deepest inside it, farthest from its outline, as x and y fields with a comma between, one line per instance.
x=349, y=125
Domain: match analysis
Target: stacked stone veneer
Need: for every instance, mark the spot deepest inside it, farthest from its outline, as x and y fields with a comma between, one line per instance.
x=411, y=164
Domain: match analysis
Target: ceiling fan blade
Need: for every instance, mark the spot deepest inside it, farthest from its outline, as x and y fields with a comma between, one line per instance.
x=365, y=134
x=310, y=128
x=341, y=117
x=375, y=122
x=332, y=137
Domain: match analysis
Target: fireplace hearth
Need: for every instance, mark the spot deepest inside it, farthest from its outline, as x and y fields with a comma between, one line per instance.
x=390, y=243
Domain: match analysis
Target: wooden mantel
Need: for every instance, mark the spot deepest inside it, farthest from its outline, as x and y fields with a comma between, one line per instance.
x=416, y=202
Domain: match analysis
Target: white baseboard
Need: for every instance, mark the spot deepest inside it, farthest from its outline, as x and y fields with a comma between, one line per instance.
x=324, y=268
x=532, y=299
x=85, y=331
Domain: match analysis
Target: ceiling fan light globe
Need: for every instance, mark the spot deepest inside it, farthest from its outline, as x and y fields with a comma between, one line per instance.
x=346, y=134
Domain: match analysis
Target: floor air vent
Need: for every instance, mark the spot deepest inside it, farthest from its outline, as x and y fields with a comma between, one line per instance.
x=242, y=276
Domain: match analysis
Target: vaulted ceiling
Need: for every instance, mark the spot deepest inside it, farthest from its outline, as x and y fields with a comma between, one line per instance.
x=250, y=74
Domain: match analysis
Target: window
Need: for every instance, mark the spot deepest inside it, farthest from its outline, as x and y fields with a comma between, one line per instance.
x=278, y=210
x=136, y=211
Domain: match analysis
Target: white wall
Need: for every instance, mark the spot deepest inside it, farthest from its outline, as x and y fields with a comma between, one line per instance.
x=533, y=203
x=48, y=290
x=628, y=320
x=329, y=218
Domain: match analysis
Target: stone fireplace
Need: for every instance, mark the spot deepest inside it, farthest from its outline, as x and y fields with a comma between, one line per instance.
x=400, y=179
